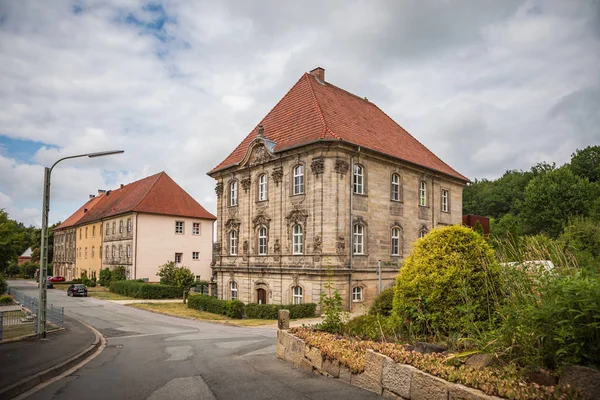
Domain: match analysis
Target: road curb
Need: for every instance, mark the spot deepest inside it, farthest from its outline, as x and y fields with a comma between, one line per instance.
x=30, y=382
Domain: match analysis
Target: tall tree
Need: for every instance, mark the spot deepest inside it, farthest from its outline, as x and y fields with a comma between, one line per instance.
x=586, y=163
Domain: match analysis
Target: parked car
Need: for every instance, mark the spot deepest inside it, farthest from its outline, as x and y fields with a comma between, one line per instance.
x=49, y=284
x=77, y=289
x=55, y=279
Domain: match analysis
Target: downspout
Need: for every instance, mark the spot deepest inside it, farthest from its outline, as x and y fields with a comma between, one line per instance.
x=351, y=236
x=135, y=249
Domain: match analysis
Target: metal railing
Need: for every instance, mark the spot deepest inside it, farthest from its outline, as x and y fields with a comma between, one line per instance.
x=21, y=322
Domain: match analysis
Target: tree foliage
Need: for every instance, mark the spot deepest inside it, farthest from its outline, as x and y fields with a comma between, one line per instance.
x=586, y=163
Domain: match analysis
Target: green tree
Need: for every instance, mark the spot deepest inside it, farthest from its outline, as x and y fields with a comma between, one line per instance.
x=581, y=236
x=185, y=279
x=586, y=163
x=554, y=197
x=167, y=273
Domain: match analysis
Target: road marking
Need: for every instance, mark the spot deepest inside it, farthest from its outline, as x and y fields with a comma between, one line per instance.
x=154, y=334
x=192, y=388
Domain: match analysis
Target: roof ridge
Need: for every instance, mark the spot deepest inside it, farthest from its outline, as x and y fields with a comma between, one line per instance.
x=316, y=103
x=148, y=191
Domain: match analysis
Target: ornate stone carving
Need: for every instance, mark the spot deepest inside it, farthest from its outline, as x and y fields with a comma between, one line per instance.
x=316, y=258
x=317, y=244
x=231, y=275
x=218, y=247
x=295, y=279
x=261, y=219
x=360, y=220
x=232, y=224
x=340, y=245
x=277, y=175
x=219, y=189
x=246, y=184
x=277, y=247
x=259, y=155
x=246, y=247
x=317, y=165
x=341, y=166
x=297, y=216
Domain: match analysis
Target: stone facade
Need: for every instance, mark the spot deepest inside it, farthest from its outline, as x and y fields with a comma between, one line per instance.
x=324, y=213
x=65, y=253
x=118, y=233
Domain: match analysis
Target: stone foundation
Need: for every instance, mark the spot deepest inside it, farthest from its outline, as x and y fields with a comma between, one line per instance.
x=382, y=375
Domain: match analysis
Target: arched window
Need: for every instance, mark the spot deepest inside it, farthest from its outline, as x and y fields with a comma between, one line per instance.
x=395, y=195
x=262, y=241
x=120, y=251
x=114, y=252
x=423, y=194
x=121, y=226
x=298, y=179
x=359, y=187
x=233, y=243
x=114, y=230
x=107, y=229
x=233, y=290
x=395, y=241
x=359, y=239
x=128, y=251
x=233, y=193
x=262, y=187
x=297, y=295
x=357, y=294
x=422, y=233
x=298, y=247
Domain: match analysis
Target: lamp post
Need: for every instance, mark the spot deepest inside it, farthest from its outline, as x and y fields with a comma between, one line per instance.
x=43, y=275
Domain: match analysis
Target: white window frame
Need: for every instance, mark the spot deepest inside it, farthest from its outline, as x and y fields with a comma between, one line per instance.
x=128, y=224
x=357, y=294
x=233, y=290
x=298, y=179
x=358, y=179
x=233, y=194
x=178, y=258
x=195, y=255
x=297, y=295
x=423, y=194
x=179, y=227
x=422, y=233
x=297, y=239
x=262, y=241
x=120, y=251
x=358, y=236
x=114, y=229
x=128, y=251
x=396, y=241
x=395, y=192
x=445, y=196
x=114, y=252
x=196, y=228
x=121, y=226
x=233, y=243
x=262, y=187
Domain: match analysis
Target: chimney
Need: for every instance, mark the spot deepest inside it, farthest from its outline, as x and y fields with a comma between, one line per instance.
x=85, y=210
x=261, y=132
x=319, y=73
x=92, y=196
x=122, y=186
x=101, y=191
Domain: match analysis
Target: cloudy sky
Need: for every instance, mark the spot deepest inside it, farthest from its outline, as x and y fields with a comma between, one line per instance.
x=486, y=85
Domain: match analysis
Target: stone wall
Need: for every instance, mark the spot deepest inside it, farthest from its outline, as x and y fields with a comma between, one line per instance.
x=381, y=375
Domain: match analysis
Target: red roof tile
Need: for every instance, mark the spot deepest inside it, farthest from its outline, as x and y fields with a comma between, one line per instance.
x=79, y=214
x=313, y=110
x=156, y=194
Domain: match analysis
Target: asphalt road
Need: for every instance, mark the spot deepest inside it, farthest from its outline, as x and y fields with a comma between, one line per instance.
x=153, y=356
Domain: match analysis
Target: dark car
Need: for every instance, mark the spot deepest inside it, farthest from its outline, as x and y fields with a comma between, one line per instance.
x=77, y=289
x=49, y=284
x=56, y=279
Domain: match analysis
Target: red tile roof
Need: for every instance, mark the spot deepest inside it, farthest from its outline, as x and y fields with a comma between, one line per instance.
x=156, y=194
x=313, y=110
x=79, y=214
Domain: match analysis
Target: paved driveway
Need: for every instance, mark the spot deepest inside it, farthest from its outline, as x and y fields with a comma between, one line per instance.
x=153, y=356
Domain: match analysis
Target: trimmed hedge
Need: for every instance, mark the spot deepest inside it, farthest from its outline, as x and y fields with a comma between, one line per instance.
x=142, y=290
x=5, y=300
x=271, y=311
x=231, y=308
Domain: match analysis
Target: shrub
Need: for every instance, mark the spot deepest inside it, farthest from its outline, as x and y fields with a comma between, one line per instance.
x=449, y=282
x=3, y=285
x=271, y=311
x=5, y=300
x=105, y=277
x=28, y=269
x=382, y=305
x=167, y=273
x=117, y=273
x=231, y=308
x=141, y=290
x=371, y=327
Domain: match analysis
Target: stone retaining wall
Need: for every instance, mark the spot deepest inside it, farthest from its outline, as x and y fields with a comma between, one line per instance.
x=382, y=375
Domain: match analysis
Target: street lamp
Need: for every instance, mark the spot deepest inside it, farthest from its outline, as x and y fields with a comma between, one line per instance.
x=43, y=275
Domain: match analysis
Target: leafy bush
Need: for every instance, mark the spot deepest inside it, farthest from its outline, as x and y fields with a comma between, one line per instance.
x=271, y=311
x=167, y=273
x=105, y=277
x=231, y=308
x=28, y=269
x=141, y=290
x=331, y=305
x=3, y=285
x=117, y=273
x=5, y=300
x=506, y=381
x=448, y=283
x=371, y=327
x=382, y=305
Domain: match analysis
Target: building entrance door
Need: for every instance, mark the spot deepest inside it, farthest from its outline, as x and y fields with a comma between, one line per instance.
x=261, y=295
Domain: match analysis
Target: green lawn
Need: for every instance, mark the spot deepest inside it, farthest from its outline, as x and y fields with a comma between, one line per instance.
x=98, y=292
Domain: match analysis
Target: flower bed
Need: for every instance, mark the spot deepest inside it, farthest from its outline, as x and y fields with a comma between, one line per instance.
x=366, y=364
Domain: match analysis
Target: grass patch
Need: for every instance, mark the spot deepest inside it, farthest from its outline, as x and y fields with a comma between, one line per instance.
x=98, y=292
x=182, y=310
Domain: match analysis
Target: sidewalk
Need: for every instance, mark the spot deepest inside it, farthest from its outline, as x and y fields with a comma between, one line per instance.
x=20, y=360
x=146, y=301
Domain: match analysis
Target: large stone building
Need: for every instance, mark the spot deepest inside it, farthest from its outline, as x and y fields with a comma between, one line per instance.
x=139, y=226
x=322, y=189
